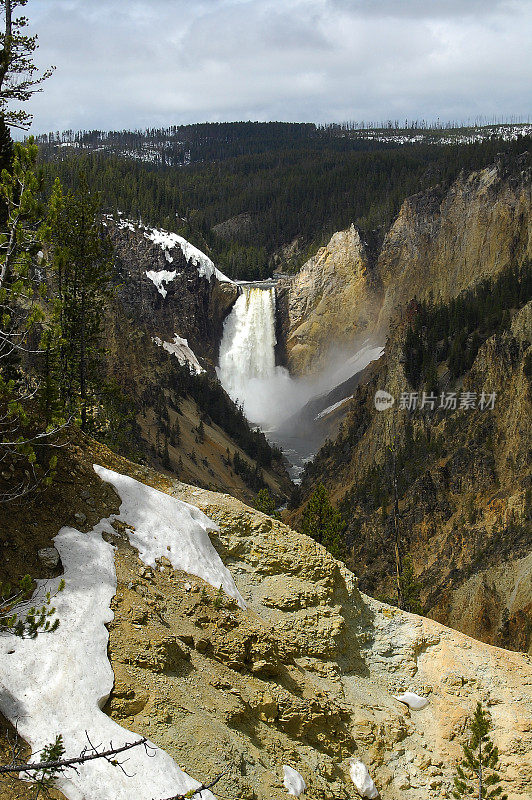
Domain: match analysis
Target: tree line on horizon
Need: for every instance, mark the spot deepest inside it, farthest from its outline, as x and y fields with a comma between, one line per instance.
x=302, y=191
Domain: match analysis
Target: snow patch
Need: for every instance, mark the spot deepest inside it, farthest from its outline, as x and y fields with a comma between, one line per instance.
x=168, y=241
x=180, y=349
x=164, y=526
x=363, y=780
x=121, y=224
x=506, y=132
x=412, y=700
x=293, y=781
x=332, y=408
x=59, y=682
x=161, y=277
x=355, y=363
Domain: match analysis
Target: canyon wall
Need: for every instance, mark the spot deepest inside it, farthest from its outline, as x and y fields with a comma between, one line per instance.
x=465, y=489
x=192, y=304
x=331, y=303
x=465, y=507
x=442, y=242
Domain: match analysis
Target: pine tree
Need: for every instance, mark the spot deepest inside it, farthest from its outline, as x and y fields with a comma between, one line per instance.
x=19, y=77
x=6, y=160
x=324, y=523
x=34, y=619
x=20, y=238
x=431, y=377
x=23, y=435
x=410, y=588
x=393, y=449
x=175, y=434
x=81, y=261
x=167, y=464
x=265, y=503
x=477, y=775
x=201, y=431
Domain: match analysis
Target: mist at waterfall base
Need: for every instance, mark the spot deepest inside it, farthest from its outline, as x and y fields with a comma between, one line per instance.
x=270, y=397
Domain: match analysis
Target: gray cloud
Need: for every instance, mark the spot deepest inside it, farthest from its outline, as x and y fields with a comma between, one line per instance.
x=157, y=62
x=425, y=9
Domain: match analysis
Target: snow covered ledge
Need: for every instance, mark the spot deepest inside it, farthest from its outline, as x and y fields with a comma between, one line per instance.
x=180, y=349
x=59, y=682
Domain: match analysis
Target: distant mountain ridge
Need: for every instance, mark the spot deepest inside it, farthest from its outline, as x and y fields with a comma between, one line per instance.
x=182, y=145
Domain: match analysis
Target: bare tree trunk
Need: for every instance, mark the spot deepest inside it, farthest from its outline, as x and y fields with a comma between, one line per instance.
x=9, y=27
x=396, y=530
x=480, y=770
x=5, y=56
x=82, y=365
x=82, y=368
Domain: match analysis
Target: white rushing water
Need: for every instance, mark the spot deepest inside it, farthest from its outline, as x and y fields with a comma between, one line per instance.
x=247, y=367
x=247, y=349
x=270, y=397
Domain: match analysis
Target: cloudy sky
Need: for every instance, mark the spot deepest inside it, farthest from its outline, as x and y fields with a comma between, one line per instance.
x=127, y=63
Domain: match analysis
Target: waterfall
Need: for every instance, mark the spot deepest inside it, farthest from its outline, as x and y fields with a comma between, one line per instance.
x=247, y=368
x=248, y=345
x=269, y=395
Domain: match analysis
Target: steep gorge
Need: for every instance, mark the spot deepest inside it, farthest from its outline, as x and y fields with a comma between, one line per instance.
x=162, y=333
x=309, y=674
x=465, y=504
x=344, y=299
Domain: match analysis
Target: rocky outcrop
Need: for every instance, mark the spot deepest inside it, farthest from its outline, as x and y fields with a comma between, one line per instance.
x=241, y=225
x=442, y=243
x=190, y=304
x=328, y=304
x=305, y=676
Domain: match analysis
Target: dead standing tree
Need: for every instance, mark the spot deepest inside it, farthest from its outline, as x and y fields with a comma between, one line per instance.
x=392, y=449
x=20, y=78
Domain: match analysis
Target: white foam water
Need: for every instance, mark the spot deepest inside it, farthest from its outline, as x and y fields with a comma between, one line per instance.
x=247, y=368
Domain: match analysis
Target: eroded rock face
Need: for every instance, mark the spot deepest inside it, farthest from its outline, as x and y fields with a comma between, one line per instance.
x=306, y=675
x=193, y=306
x=440, y=244
x=330, y=302
x=465, y=511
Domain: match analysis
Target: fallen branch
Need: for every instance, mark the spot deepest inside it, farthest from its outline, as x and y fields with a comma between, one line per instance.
x=71, y=763
x=193, y=792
